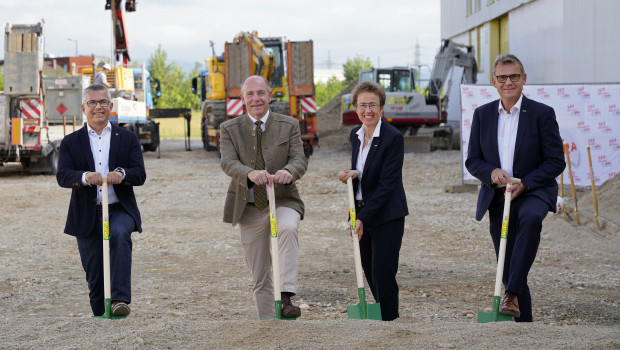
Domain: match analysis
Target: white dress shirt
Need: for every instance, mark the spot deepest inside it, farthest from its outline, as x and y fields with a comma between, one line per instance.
x=363, y=154
x=507, y=126
x=262, y=126
x=100, y=148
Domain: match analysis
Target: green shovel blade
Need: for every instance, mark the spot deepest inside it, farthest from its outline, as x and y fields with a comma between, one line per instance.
x=364, y=310
x=108, y=313
x=493, y=315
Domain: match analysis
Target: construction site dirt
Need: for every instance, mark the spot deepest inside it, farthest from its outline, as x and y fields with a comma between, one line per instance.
x=192, y=289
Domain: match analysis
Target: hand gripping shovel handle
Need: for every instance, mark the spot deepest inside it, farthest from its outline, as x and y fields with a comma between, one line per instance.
x=275, y=257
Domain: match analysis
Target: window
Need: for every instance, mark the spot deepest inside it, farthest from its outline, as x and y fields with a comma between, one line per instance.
x=366, y=76
x=385, y=80
x=402, y=81
x=476, y=5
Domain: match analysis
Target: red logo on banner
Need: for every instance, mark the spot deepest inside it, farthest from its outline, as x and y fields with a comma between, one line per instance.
x=61, y=108
x=583, y=127
x=484, y=93
x=572, y=110
x=592, y=143
x=602, y=160
x=604, y=94
x=541, y=93
x=602, y=126
x=593, y=110
x=562, y=93
x=614, y=110
x=583, y=93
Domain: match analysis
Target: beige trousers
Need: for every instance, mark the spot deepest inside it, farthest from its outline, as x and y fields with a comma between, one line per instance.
x=255, y=238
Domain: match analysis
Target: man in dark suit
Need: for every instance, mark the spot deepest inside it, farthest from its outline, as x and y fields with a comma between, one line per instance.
x=96, y=150
x=254, y=146
x=515, y=137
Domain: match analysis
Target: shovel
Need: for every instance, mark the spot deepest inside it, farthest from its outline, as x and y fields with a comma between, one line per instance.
x=107, y=286
x=598, y=225
x=572, y=183
x=362, y=310
x=494, y=315
x=275, y=257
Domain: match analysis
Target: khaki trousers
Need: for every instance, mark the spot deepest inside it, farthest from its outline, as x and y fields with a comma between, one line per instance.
x=255, y=238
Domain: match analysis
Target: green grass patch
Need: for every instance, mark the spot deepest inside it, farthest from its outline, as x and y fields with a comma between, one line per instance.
x=170, y=128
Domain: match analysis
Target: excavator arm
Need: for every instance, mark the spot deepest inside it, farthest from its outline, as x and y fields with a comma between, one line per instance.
x=450, y=54
x=262, y=59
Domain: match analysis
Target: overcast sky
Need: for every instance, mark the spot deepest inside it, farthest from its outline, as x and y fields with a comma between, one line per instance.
x=384, y=31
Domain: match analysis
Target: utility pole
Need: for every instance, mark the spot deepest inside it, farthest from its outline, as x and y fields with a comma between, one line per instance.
x=417, y=53
x=76, y=56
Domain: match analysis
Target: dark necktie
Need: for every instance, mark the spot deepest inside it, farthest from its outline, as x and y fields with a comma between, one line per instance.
x=260, y=191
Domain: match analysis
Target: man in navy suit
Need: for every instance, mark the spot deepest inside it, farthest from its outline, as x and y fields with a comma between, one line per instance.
x=517, y=138
x=96, y=150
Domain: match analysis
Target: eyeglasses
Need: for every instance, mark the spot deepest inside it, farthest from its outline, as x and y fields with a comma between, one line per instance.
x=372, y=106
x=513, y=77
x=102, y=103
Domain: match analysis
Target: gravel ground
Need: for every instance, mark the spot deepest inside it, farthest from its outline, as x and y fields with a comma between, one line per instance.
x=192, y=289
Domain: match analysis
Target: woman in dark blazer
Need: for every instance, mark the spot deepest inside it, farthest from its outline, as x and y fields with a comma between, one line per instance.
x=381, y=206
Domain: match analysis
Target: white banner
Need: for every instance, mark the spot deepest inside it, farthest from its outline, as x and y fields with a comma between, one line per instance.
x=586, y=114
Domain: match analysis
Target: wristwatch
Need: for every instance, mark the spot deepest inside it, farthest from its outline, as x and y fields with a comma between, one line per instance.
x=120, y=170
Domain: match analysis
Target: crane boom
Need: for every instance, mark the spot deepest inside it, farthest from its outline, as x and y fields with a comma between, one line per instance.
x=121, y=46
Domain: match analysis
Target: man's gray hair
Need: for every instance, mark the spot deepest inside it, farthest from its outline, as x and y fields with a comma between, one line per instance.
x=252, y=77
x=95, y=87
x=507, y=58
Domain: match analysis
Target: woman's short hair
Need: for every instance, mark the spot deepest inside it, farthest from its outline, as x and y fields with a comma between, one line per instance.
x=371, y=87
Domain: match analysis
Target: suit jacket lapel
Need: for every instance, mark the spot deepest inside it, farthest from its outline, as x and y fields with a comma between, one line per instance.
x=356, y=149
x=493, y=123
x=114, y=141
x=85, y=143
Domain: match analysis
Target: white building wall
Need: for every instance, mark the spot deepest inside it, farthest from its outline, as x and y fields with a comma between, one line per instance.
x=535, y=36
x=591, y=43
x=559, y=41
x=454, y=20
